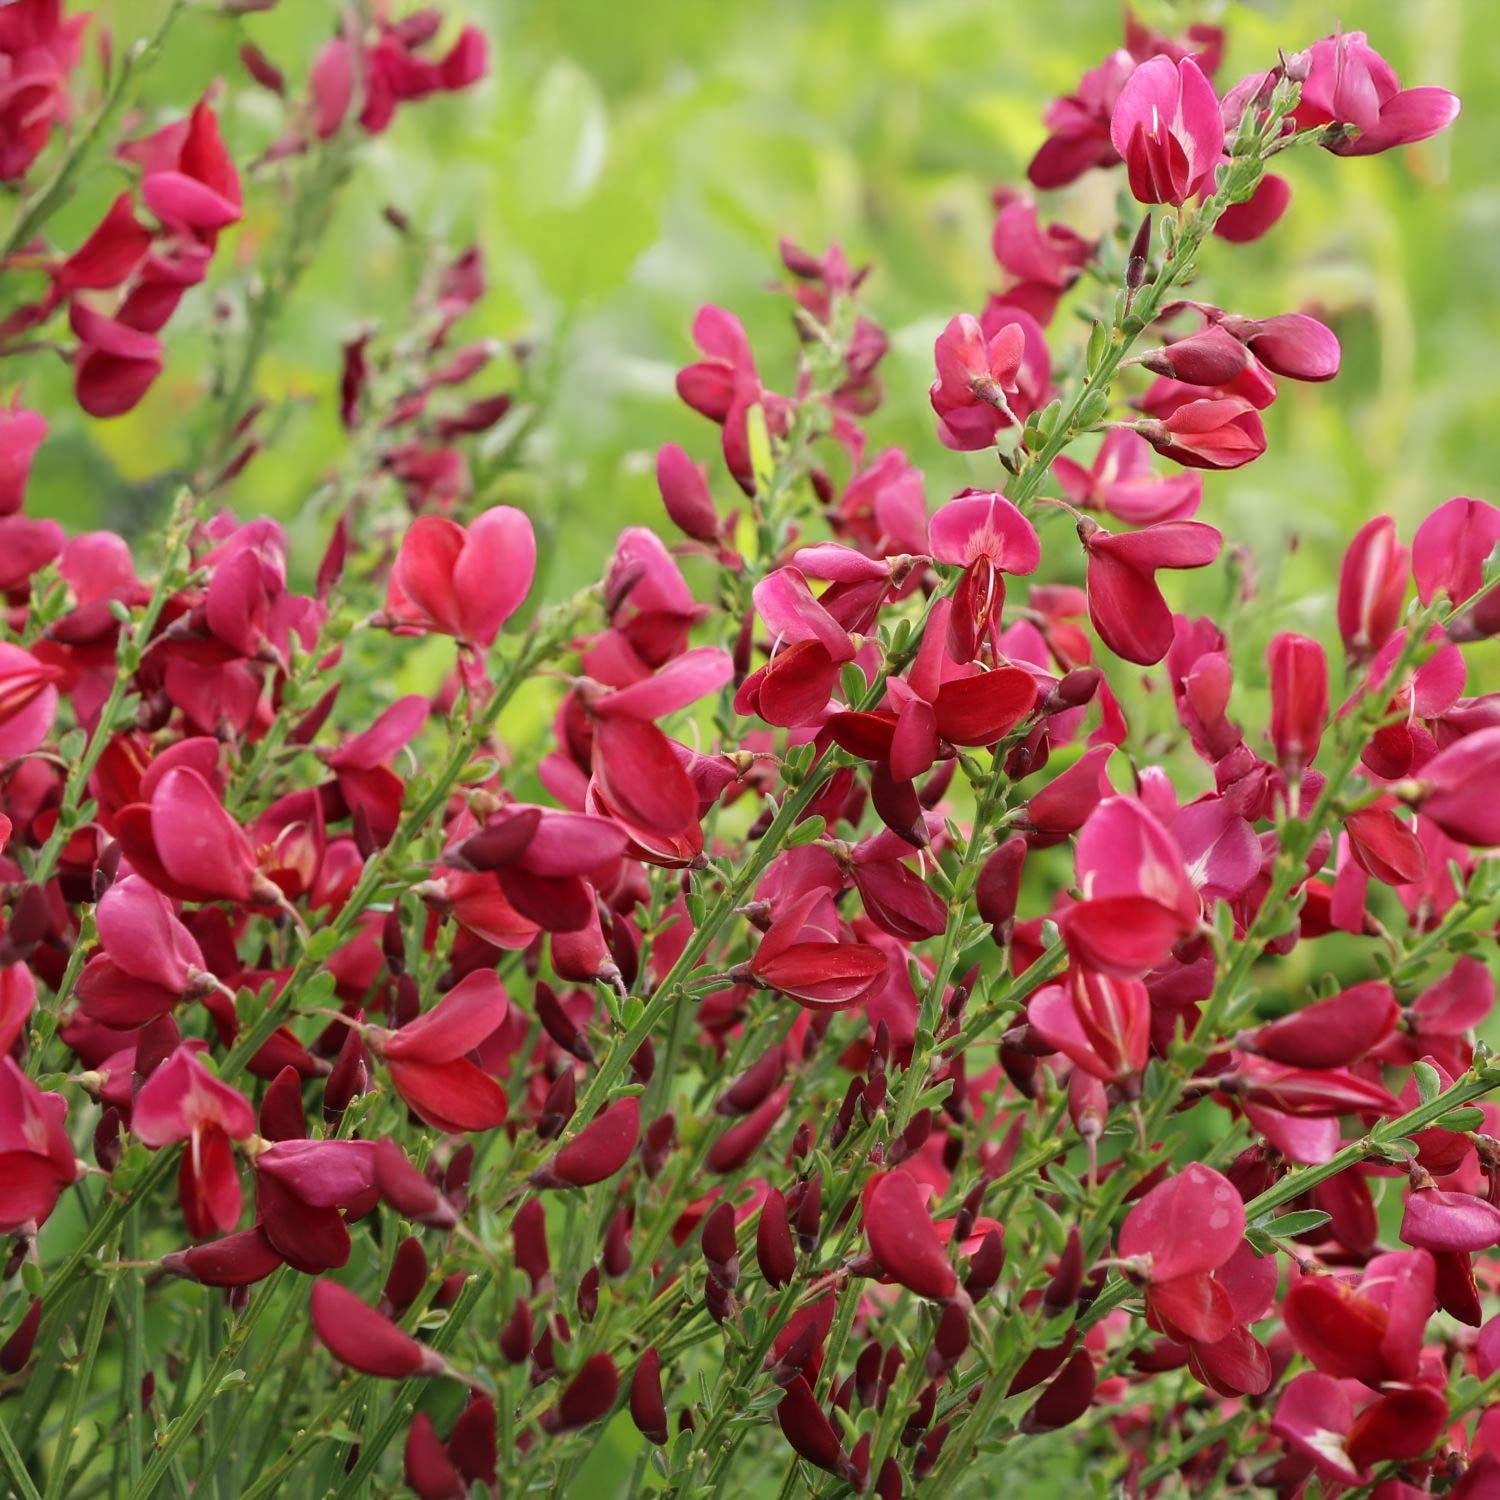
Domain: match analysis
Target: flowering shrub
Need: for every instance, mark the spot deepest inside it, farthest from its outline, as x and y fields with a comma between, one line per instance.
x=881, y=1048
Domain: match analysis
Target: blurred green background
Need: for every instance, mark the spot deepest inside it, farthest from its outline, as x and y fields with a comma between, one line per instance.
x=625, y=163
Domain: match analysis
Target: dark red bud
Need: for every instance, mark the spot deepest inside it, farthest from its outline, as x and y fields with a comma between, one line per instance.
x=516, y=1335
x=408, y=1276
x=588, y=1396
x=647, y=1408
x=774, y=1252
x=588, y=1294
x=17, y=1348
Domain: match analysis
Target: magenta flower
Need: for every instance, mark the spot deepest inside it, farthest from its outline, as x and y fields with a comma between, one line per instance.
x=1208, y=434
x=36, y=1158
x=986, y=536
x=463, y=582
x=1138, y=900
x=1125, y=604
x=1349, y=83
x=1167, y=127
x=183, y=1101
x=1120, y=481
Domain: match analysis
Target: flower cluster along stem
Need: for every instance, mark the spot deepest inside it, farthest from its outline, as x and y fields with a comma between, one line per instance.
x=816, y=1003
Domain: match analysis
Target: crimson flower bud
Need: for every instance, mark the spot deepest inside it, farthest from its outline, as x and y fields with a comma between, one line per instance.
x=734, y=1148
x=1299, y=699
x=598, y=1151
x=717, y=1299
x=1062, y=1290
x=17, y=1348
x=407, y=1190
x=1372, y=586
x=986, y=1264
x=107, y=1147
x=920, y=1417
x=684, y=493
x=647, y=1408
x=903, y=1239
x=1140, y=249
x=616, y=1253
x=949, y=1340
x=806, y=1427
x=720, y=1249
x=1209, y=357
x=809, y=1213
x=407, y=1278
x=661, y=1135
x=557, y=1108
x=427, y=1469
x=888, y=1483
x=588, y=1294
x=1070, y=1394
x=588, y=1396
x=752, y=1086
x=774, y=1253
x=357, y=1335
x=528, y=1232
x=516, y=1334
x=281, y=1117
x=560, y=1026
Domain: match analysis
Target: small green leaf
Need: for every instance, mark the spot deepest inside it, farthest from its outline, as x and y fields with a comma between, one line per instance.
x=1429, y=1081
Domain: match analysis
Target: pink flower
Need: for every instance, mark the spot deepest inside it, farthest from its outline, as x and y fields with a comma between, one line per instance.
x=1351, y=84
x=36, y=1157
x=1138, y=901
x=1166, y=125
x=1042, y=263
x=1210, y=434
x=183, y=1101
x=1372, y=587
x=1120, y=481
x=198, y=193
x=463, y=582
x=38, y=50
x=21, y=434
x=1125, y=604
x=988, y=537
x=975, y=376
x=1299, y=699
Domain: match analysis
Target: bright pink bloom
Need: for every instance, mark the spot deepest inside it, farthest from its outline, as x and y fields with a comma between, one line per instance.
x=1043, y=263
x=39, y=48
x=1125, y=604
x=1137, y=901
x=21, y=434
x=988, y=537
x=1372, y=586
x=1448, y=556
x=116, y=363
x=1120, y=481
x=1211, y=434
x=1459, y=789
x=36, y=1157
x=1371, y=1331
x=1099, y=1022
x=429, y=1058
x=1299, y=699
x=28, y=701
x=976, y=376
x=1167, y=127
x=463, y=582
x=199, y=193
x=1330, y=1033
x=1349, y=83
x=183, y=1101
